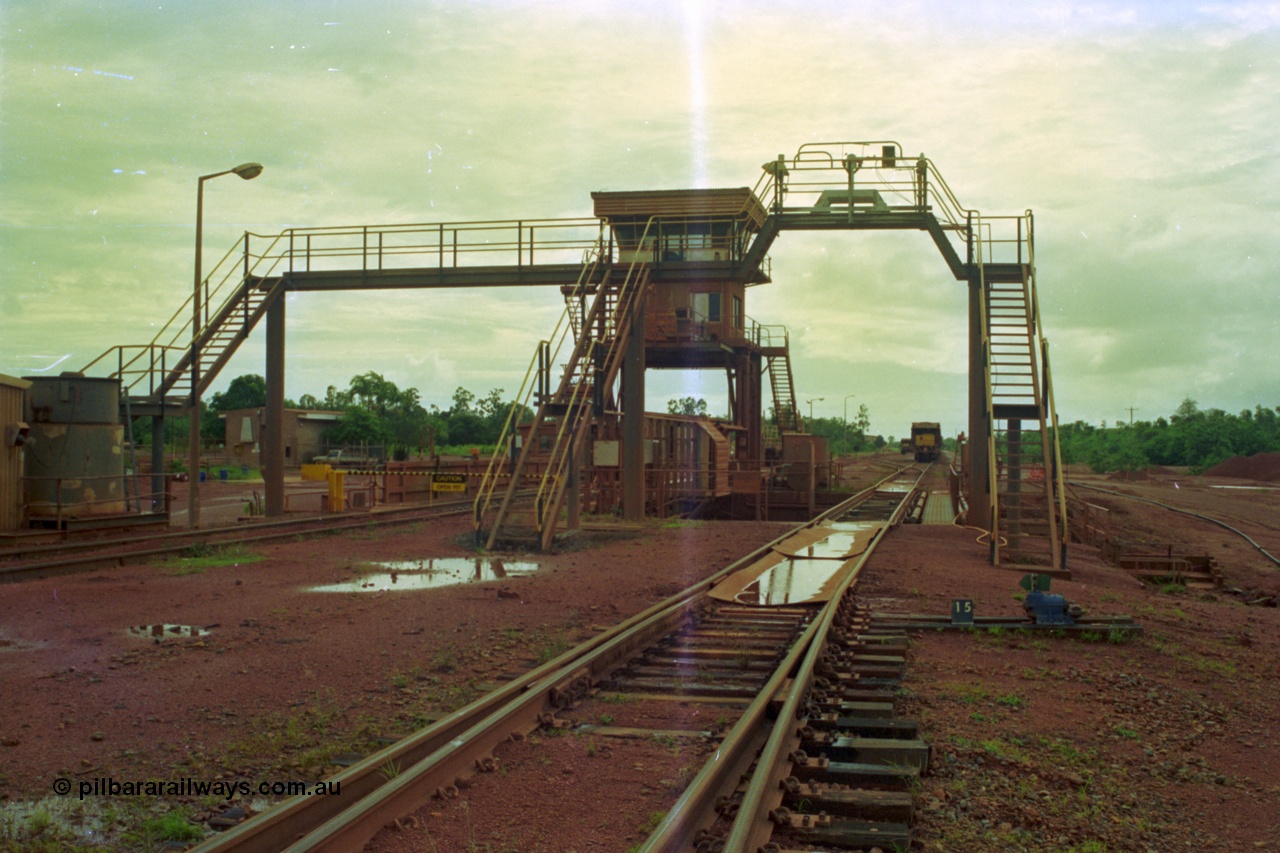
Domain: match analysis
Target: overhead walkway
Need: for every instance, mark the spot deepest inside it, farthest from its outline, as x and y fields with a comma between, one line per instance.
x=842, y=186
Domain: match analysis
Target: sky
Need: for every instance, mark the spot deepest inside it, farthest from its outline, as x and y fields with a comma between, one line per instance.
x=1143, y=136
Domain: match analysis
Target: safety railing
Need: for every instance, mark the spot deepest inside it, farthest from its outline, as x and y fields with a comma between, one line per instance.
x=228, y=286
x=874, y=177
x=140, y=367
x=371, y=248
x=768, y=336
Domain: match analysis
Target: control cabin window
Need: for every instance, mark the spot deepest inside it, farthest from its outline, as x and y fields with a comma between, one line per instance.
x=706, y=306
x=738, y=315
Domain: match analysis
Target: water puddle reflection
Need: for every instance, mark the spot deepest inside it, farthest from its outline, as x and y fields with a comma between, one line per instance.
x=428, y=574
x=160, y=632
x=792, y=581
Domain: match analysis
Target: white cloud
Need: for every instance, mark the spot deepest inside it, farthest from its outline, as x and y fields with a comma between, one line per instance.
x=1145, y=127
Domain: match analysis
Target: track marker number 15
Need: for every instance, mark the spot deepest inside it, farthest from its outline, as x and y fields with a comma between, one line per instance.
x=962, y=611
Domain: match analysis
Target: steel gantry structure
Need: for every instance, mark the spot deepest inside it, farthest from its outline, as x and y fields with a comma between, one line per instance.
x=655, y=279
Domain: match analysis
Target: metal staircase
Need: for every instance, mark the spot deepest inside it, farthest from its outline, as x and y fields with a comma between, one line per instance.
x=1027, y=513
x=597, y=325
x=775, y=346
x=159, y=377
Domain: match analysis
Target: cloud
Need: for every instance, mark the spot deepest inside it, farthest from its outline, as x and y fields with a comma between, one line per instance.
x=1139, y=135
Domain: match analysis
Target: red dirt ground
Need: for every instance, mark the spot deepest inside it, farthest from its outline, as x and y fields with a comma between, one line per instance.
x=1171, y=741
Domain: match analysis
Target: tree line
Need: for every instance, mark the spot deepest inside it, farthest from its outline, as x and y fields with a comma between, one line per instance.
x=1191, y=436
x=374, y=412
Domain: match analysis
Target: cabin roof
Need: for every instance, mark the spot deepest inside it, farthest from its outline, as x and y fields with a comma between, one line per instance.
x=728, y=203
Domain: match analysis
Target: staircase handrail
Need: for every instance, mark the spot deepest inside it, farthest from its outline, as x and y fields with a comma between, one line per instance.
x=561, y=448
x=591, y=261
x=1051, y=413
x=238, y=265
x=993, y=482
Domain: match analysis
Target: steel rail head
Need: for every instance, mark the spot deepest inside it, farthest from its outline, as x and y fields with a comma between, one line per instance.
x=696, y=808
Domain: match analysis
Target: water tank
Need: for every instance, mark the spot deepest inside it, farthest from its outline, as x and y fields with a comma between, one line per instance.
x=75, y=450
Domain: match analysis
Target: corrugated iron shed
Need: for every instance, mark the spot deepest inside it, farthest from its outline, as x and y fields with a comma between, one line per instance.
x=13, y=392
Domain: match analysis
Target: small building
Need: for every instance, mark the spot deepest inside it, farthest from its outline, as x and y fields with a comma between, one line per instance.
x=13, y=394
x=303, y=435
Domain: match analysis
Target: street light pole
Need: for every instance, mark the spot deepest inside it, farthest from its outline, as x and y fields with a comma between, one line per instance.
x=847, y=398
x=811, y=402
x=247, y=171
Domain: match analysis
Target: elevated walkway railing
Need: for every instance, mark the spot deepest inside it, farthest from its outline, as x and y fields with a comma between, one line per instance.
x=372, y=248
x=862, y=180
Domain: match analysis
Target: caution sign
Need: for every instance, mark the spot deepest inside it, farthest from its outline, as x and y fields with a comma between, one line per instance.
x=448, y=482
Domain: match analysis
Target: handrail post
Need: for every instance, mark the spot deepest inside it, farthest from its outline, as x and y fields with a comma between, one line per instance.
x=519, y=243
x=968, y=227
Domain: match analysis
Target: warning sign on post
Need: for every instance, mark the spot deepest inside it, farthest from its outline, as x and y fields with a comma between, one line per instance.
x=448, y=482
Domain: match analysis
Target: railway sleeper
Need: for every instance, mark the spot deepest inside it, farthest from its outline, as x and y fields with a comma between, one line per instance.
x=825, y=724
x=683, y=688
x=691, y=667
x=895, y=752
x=858, y=803
x=850, y=639
x=694, y=672
x=848, y=701
x=777, y=635
x=855, y=834
x=716, y=652
x=855, y=774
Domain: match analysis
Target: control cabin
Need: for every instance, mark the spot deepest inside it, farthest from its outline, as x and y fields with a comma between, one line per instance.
x=694, y=241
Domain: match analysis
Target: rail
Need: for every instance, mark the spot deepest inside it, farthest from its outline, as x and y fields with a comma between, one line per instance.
x=430, y=761
x=710, y=791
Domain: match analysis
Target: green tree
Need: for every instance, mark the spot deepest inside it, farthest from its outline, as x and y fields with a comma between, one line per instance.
x=687, y=406
x=245, y=392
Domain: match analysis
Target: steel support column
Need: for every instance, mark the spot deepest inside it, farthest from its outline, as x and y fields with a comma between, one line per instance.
x=158, y=479
x=633, y=416
x=273, y=430
x=979, y=428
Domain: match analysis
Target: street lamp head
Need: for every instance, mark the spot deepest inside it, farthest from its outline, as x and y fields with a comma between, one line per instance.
x=248, y=171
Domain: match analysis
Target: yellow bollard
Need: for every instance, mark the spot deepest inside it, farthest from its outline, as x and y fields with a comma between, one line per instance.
x=337, y=503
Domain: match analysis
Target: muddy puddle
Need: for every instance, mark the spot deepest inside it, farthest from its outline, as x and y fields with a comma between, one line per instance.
x=428, y=574
x=160, y=631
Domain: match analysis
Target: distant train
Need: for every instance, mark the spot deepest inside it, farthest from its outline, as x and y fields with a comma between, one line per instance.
x=926, y=441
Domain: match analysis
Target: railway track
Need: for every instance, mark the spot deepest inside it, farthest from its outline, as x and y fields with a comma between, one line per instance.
x=777, y=636
x=32, y=562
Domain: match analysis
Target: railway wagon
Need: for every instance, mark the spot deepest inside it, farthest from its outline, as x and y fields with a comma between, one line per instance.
x=926, y=440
